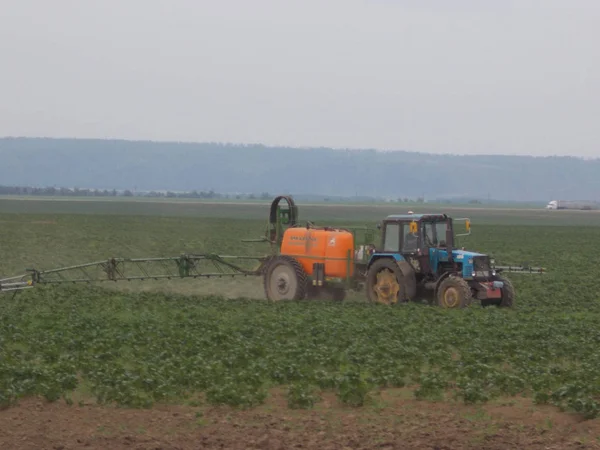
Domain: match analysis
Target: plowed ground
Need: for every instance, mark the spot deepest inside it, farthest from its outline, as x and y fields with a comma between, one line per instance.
x=393, y=421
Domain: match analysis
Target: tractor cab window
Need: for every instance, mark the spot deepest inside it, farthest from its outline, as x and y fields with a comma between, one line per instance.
x=410, y=241
x=392, y=238
x=428, y=235
x=434, y=234
x=440, y=233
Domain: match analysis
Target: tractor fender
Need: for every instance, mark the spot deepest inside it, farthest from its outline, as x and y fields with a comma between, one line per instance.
x=410, y=278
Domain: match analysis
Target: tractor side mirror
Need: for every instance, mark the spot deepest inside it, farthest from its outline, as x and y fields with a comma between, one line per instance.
x=467, y=226
x=379, y=226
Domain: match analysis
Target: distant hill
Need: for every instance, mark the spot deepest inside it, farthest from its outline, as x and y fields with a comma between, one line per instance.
x=140, y=165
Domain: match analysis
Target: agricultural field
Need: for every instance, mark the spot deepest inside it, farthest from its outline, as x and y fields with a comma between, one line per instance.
x=210, y=364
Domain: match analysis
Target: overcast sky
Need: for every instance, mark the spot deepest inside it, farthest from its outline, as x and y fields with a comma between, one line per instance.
x=459, y=76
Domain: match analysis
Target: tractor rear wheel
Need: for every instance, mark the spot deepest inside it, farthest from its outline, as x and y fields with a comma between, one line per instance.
x=385, y=282
x=285, y=279
x=454, y=292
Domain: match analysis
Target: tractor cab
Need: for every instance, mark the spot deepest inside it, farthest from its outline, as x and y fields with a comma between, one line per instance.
x=424, y=240
x=416, y=250
x=414, y=234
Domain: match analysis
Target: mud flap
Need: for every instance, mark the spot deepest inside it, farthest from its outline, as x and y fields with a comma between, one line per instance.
x=410, y=279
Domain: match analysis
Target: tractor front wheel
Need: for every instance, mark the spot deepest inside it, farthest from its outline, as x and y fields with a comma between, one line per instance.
x=508, y=293
x=385, y=282
x=285, y=279
x=454, y=292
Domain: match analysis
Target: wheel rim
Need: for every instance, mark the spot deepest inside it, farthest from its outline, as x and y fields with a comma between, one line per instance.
x=451, y=298
x=386, y=288
x=282, y=283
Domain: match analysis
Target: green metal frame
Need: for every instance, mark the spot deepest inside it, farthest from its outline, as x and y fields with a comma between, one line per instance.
x=129, y=269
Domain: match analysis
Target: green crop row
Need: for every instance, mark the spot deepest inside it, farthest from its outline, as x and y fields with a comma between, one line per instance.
x=144, y=348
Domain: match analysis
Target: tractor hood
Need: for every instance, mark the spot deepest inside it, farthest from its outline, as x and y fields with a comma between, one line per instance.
x=461, y=255
x=474, y=264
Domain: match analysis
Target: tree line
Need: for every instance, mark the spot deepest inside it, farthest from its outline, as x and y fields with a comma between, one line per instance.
x=183, y=167
x=51, y=191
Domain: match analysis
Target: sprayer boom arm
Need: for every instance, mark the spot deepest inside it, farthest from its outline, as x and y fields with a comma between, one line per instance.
x=128, y=269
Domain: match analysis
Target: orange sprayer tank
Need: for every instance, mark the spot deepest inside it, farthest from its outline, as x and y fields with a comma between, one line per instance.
x=310, y=245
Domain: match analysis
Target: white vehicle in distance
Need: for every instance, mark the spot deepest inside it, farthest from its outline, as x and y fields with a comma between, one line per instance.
x=572, y=204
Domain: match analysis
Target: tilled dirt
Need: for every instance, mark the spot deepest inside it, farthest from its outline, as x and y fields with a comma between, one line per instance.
x=395, y=421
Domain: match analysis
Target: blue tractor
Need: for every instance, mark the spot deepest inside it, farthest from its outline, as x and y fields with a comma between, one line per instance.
x=417, y=256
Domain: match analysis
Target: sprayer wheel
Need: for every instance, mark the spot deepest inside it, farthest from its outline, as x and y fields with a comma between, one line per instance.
x=285, y=279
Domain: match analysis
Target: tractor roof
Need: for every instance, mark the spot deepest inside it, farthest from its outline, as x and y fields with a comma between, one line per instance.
x=415, y=216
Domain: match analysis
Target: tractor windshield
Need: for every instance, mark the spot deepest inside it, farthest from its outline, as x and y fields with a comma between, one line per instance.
x=434, y=234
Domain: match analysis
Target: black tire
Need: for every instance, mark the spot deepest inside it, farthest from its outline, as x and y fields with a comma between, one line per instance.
x=508, y=293
x=454, y=292
x=393, y=273
x=285, y=279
